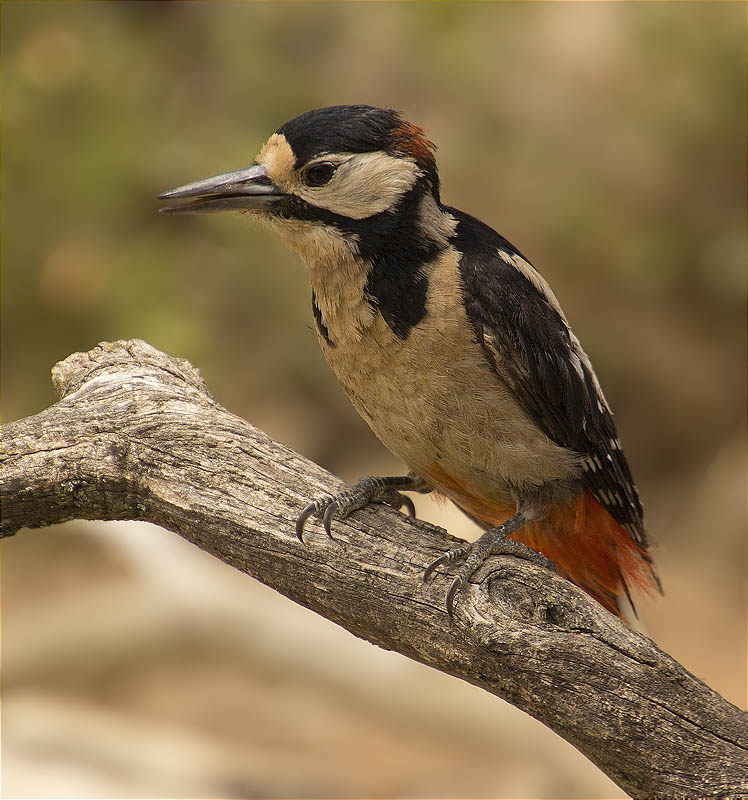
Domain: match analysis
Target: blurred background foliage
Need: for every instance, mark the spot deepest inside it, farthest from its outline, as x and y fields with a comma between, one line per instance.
x=605, y=140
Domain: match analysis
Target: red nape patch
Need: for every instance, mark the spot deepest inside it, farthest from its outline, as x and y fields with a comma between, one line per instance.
x=412, y=142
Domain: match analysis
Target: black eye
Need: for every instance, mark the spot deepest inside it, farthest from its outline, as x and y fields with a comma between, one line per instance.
x=319, y=174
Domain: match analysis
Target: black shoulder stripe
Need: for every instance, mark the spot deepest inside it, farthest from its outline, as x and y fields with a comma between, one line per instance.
x=397, y=283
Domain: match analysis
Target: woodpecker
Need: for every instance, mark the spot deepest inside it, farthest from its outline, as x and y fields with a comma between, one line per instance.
x=450, y=345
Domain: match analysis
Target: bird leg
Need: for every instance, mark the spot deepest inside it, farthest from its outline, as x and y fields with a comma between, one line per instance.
x=364, y=492
x=493, y=542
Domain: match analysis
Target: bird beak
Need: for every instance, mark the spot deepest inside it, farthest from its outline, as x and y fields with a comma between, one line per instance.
x=245, y=189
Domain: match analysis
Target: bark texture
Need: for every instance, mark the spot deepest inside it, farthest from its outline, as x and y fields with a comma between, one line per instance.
x=136, y=436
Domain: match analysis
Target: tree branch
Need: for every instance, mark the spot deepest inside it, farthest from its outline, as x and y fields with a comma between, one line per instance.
x=135, y=435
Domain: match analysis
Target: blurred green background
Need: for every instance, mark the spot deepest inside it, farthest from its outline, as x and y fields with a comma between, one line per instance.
x=605, y=140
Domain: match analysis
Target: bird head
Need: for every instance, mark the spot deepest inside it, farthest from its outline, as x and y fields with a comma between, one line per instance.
x=355, y=171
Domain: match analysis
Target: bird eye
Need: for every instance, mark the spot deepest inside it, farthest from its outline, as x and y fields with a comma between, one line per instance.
x=319, y=174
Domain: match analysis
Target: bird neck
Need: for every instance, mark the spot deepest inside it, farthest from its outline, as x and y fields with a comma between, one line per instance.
x=337, y=273
x=378, y=265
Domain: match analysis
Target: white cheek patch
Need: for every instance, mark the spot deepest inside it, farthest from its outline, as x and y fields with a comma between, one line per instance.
x=363, y=185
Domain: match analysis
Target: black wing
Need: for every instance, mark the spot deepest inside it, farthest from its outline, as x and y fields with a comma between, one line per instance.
x=525, y=337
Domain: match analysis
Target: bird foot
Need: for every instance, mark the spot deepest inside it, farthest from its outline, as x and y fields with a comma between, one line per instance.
x=493, y=542
x=364, y=492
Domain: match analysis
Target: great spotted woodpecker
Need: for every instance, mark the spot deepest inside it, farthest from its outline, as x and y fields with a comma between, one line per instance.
x=451, y=346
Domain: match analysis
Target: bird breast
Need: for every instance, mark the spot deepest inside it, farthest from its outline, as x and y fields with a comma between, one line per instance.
x=432, y=398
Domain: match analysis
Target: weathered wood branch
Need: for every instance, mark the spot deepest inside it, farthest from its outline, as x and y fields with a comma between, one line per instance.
x=136, y=436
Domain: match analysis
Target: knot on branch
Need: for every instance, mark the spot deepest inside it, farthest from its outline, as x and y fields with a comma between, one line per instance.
x=508, y=597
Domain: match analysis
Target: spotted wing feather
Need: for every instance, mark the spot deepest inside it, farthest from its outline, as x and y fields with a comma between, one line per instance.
x=529, y=344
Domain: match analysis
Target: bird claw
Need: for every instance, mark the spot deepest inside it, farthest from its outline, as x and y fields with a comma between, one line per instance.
x=366, y=491
x=492, y=542
x=447, y=558
x=313, y=508
x=407, y=502
x=450, y=599
x=330, y=511
x=328, y=507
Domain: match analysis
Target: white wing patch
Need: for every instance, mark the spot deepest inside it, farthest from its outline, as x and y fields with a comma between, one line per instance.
x=535, y=278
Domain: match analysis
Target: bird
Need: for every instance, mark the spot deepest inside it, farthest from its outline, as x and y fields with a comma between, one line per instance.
x=451, y=346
